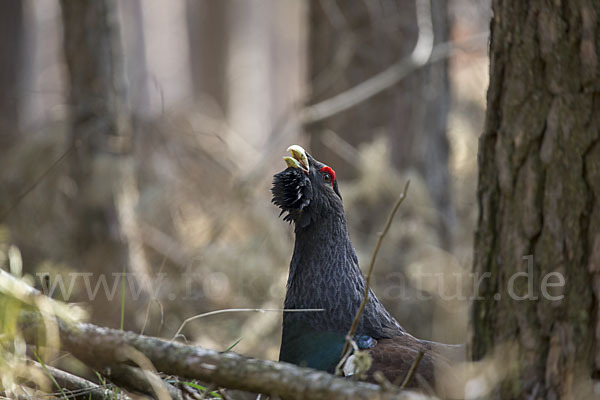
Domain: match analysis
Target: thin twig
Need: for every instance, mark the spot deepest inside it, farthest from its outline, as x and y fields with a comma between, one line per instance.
x=412, y=370
x=224, y=394
x=77, y=386
x=230, y=310
x=371, y=266
x=345, y=355
x=37, y=181
x=159, y=387
x=164, y=244
x=144, y=381
x=43, y=365
x=151, y=299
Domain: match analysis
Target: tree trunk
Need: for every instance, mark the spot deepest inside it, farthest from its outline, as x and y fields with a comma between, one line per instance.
x=11, y=30
x=351, y=42
x=104, y=232
x=539, y=191
x=208, y=26
x=134, y=51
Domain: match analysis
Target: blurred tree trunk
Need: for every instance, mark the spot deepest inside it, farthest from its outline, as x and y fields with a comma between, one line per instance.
x=351, y=42
x=134, y=49
x=104, y=233
x=208, y=27
x=11, y=32
x=539, y=191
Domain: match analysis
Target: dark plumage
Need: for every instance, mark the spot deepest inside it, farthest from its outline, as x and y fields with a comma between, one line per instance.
x=324, y=273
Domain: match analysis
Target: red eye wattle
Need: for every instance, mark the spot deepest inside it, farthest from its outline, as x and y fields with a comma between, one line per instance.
x=328, y=171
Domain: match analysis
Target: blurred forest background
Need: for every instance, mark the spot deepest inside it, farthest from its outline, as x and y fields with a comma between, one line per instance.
x=141, y=136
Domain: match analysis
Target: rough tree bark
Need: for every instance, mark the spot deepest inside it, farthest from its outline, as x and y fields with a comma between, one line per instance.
x=104, y=232
x=539, y=191
x=350, y=42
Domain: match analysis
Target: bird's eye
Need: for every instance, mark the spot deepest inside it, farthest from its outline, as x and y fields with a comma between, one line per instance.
x=328, y=175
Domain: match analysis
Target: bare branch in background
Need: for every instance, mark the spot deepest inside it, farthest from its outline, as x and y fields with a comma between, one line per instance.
x=15, y=203
x=382, y=81
x=372, y=86
x=165, y=245
x=363, y=92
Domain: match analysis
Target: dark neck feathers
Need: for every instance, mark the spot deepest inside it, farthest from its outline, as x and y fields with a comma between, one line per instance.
x=324, y=273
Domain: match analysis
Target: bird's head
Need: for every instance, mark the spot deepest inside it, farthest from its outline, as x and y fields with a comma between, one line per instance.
x=306, y=189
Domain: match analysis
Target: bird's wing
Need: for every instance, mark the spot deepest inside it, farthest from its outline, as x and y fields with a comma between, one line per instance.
x=394, y=358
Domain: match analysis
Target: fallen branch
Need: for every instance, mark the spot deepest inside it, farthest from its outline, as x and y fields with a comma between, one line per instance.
x=102, y=347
